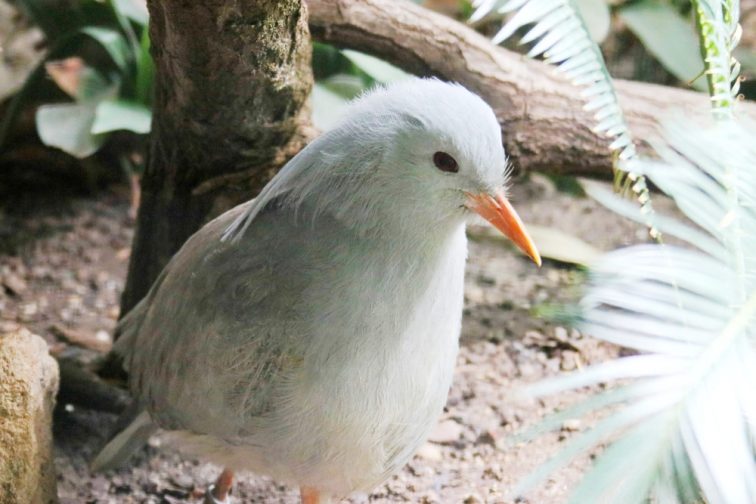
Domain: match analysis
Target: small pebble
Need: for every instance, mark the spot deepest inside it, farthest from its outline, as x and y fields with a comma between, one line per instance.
x=447, y=431
x=571, y=425
x=429, y=451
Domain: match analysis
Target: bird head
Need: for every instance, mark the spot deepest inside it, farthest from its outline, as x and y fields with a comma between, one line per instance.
x=408, y=159
x=430, y=152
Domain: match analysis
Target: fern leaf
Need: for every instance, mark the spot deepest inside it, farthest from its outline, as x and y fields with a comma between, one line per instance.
x=687, y=427
x=719, y=33
x=561, y=37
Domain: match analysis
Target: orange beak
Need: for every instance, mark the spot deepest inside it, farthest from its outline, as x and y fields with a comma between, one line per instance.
x=497, y=210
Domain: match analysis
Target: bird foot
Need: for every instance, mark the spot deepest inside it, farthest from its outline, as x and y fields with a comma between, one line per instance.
x=211, y=499
x=218, y=492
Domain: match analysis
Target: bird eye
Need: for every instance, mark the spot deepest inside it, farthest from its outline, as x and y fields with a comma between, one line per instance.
x=445, y=162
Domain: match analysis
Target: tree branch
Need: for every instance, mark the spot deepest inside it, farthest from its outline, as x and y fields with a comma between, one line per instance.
x=541, y=114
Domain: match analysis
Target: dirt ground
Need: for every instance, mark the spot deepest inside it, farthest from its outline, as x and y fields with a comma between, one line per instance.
x=63, y=259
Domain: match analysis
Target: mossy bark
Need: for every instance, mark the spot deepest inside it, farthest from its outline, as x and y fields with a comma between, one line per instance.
x=233, y=77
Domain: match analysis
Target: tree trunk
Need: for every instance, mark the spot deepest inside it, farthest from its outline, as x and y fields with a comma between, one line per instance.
x=233, y=77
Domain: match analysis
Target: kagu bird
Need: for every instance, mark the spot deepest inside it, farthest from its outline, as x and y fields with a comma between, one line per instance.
x=310, y=334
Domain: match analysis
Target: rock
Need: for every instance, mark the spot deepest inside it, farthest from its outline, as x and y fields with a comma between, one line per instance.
x=487, y=437
x=7, y=326
x=429, y=451
x=473, y=498
x=475, y=294
x=15, y=284
x=182, y=480
x=28, y=384
x=571, y=425
x=560, y=334
x=570, y=361
x=447, y=431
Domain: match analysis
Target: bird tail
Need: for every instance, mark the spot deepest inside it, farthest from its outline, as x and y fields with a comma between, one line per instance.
x=125, y=443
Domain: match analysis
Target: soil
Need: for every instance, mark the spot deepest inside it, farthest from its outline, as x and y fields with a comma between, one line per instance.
x=63, y=260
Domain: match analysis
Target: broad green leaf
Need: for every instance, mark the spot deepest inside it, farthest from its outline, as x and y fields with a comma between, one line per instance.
x=93, y=84
x=126, y=26
x=133, y=9
x=113, y=42
x=327, y=107
x=376, y=68
x=67, y=126
x=595, y=14
x=113, y=115
x=145, y=72
x=668, y=36
x=328, y=60
x=346, y=86
x=35, y=81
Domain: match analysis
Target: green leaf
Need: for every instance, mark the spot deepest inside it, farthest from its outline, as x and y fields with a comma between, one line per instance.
x=595, y=14
x=668, y=36
x=113, y=115
x=92, y=84
x=145, y=72
x=134, y=10
x=376, y=68
x=328, y=60
x=114, y=44
x=124, y=23
x=64, y=46
x=327, y=107
x=346, y=86
x=67, y=126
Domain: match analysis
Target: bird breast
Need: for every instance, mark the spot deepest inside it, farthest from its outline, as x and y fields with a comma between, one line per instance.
x=377, y=372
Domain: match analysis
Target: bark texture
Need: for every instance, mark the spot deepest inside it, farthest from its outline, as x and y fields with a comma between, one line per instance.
x=233, y=77
x=28, y=384
x=545, y=127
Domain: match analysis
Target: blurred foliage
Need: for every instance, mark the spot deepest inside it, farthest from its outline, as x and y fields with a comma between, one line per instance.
x=98, y=57
x=668, y=36
x=341, y=75
x=662, y=39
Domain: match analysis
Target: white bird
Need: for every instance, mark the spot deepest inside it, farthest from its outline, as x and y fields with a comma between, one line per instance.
x=310, y=334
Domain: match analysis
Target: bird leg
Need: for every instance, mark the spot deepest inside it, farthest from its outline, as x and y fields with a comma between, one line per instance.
x=311, y=496
x=218, y=492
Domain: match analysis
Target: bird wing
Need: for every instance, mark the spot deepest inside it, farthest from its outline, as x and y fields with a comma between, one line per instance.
x=206, y=348
x=283, y=182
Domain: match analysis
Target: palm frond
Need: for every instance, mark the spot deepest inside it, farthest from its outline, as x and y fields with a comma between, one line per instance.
x=719, y=34
x=562, y=38
x=687, y=427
